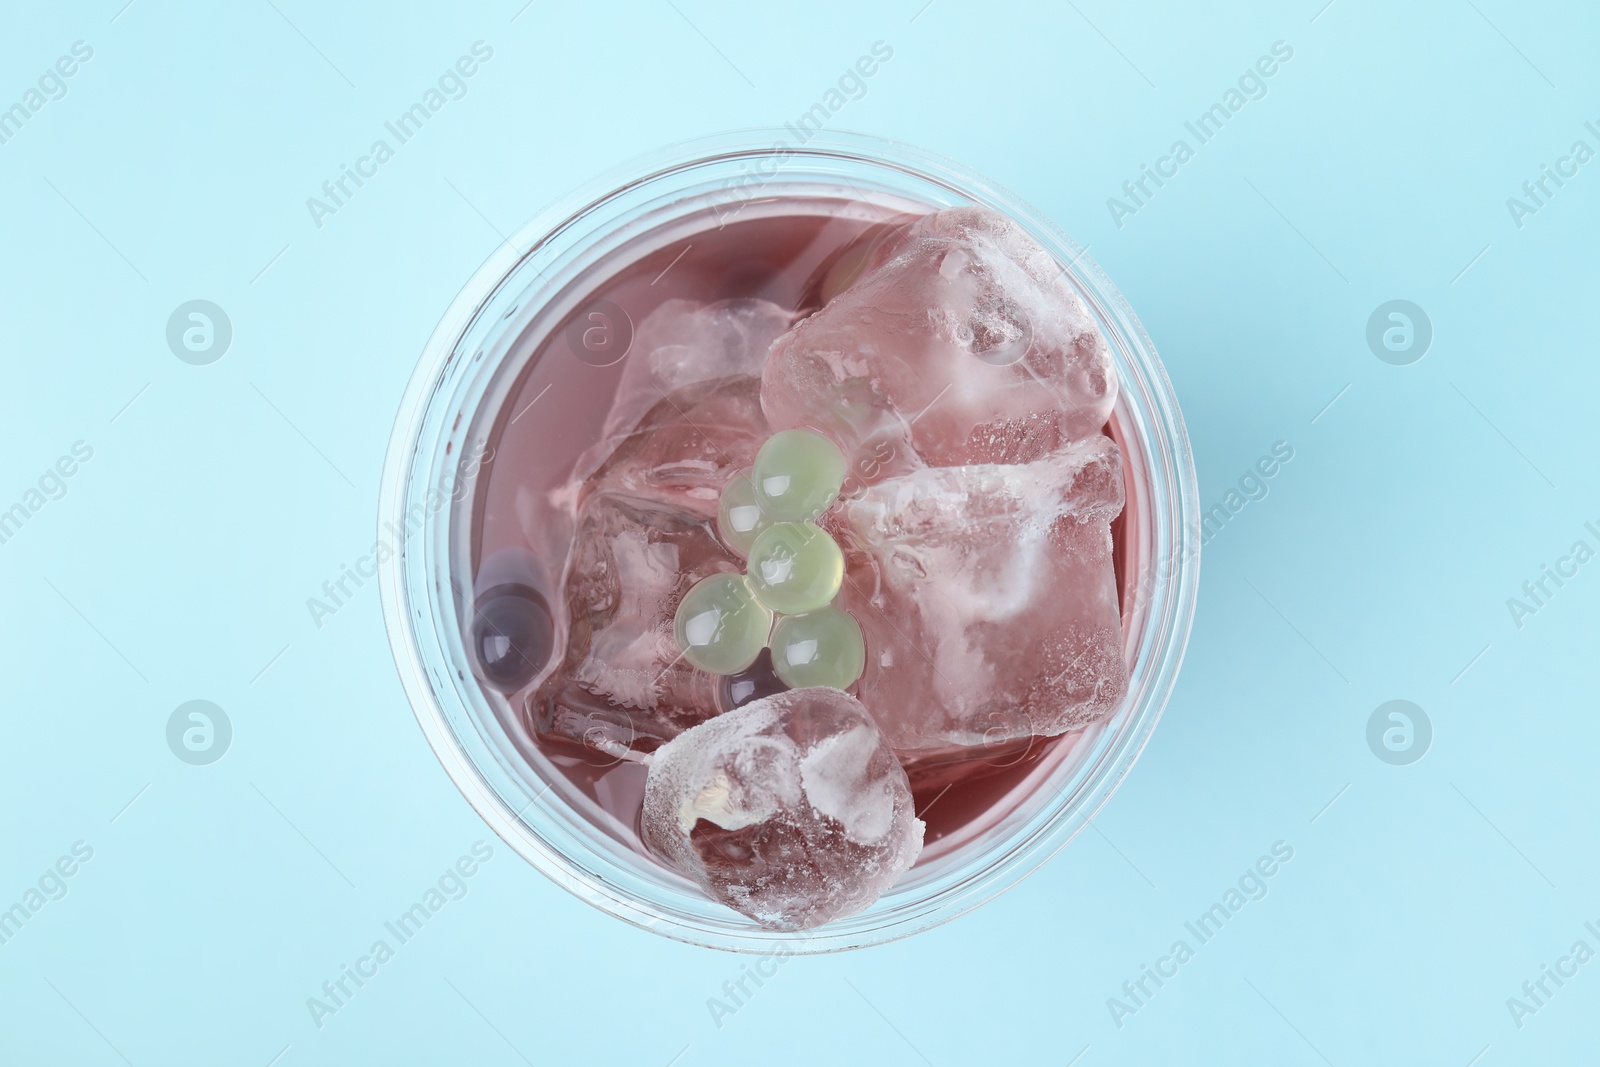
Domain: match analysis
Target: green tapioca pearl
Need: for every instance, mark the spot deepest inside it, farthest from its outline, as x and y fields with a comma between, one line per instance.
x=797, y=474
x=822, y=647
x=739, y=514
x=795, y=567
x=721, y=627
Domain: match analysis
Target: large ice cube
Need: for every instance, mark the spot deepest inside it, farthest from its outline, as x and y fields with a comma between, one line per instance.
x=685, y=449
x=644, y=508
x=623, y=686
x=791, y=809
x=684, y=342
x=988, y=600
x=967, y=346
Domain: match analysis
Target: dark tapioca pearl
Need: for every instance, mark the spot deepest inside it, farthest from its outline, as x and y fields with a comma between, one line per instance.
x=754, y=682
x=512, y=635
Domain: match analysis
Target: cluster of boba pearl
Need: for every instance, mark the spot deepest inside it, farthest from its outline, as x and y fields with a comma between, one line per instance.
x=794, y=569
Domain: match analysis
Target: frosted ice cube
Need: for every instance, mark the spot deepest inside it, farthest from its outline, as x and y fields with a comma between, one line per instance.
x=685, y=449
x=623, y=685
x=791, y=809
x=967, y=346
x=684, y=342
x=988, y=598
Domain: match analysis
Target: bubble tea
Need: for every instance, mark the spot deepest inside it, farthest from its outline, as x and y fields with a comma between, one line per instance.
x=797, y=545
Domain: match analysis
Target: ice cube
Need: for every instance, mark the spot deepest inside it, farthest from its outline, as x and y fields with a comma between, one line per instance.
x=967, y=346
x=988, y=599
x=623, y=686
x=684, y=451
x=684, y=342
x=791, y=809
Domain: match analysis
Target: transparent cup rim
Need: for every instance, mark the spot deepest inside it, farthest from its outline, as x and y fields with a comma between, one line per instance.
x=408, y=591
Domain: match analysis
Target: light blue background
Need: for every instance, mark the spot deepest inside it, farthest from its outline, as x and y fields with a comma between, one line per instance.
x=179, y=562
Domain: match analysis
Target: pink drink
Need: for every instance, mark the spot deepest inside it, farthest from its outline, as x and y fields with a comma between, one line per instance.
x=794, y=255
